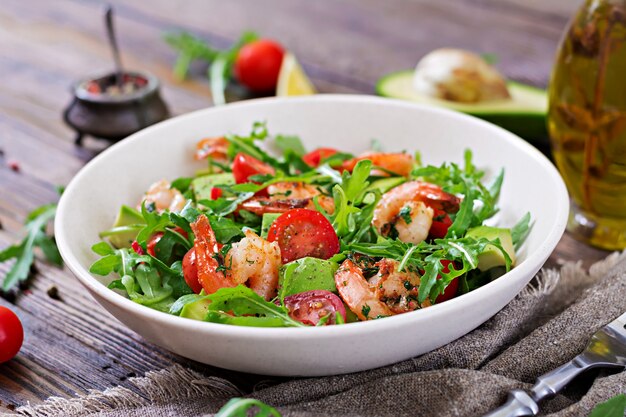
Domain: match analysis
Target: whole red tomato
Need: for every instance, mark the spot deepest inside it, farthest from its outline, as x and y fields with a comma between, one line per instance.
x=11, y=334
x=258, y=64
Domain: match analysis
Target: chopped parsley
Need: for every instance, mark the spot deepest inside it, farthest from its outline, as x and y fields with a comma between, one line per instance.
x=405, y=213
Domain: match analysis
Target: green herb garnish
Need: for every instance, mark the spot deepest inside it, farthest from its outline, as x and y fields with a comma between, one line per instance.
x=242, y=407
x=24, y=252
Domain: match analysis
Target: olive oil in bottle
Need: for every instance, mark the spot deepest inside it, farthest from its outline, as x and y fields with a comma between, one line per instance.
x=587, y=121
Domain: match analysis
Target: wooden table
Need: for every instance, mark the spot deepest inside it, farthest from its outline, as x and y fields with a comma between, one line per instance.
x=72, y=345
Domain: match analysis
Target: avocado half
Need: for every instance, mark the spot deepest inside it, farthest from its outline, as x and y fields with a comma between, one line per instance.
x=524, y=114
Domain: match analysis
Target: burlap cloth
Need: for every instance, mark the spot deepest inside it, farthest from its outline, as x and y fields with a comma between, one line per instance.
x=545, y=326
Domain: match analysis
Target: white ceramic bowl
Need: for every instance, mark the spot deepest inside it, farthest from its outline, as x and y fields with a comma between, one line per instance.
x=121, y=174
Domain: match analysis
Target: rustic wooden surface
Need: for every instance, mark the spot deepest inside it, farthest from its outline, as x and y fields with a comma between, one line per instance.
x=72, y=345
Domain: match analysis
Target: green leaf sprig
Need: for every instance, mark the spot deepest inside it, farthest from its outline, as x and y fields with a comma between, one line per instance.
x=23, y=252
x=614, y=407
x=242, y=306
x=191, y=48
x=479, y=202
x=241, y=407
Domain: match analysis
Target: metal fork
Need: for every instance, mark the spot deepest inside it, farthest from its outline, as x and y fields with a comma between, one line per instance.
x=606, y=349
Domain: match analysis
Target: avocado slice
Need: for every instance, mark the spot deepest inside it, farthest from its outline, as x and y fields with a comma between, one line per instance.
x=524, y=114
x=491, y=255
x=306, y=274
x=266, y=222
x=202, y=186
x=127, y=216
x=385, y=184
x=196, y=310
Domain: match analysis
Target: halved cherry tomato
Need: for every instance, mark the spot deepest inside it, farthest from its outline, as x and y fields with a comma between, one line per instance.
x=314, y=158
x=312, y=306
x=303, y=232
x=190, y=271
x=11, y=334
x=245, y=166
x=258, y=64
x=441, y=224
x=451, y=289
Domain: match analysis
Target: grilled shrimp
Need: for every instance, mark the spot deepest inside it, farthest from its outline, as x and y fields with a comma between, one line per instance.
x=252, y=261
x=387, y=293
x=164, y=197
x=406, y=211
x=396, y=289
x=398, y=163
x=284, y=196
x=216, y=148
x=255, y=262
x=357, y=293
x=301, y=190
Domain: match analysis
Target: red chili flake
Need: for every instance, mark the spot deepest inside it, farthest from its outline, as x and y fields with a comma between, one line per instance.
x=137, y=248
x=14, y=165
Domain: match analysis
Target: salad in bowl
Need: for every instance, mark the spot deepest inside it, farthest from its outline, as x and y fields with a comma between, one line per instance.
x=269, y=234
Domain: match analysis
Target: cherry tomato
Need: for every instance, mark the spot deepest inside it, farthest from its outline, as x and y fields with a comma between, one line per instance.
x=311, y=306
x=137, y=247
x=440, y=226
x=154, y=239
x=245, y=166
x=303, y=232
x=451, y=289
x=216, y=193
x=11, y=334
x=258, y=65
x=314, y=158
x=190, y=271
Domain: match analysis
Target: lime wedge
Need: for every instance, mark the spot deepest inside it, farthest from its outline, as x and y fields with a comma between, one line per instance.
x=292, y=80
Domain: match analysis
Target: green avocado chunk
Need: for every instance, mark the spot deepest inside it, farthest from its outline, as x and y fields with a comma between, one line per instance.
x=524, y=114
x=202, y=186
x=385, y=184
x=268, y=219
x=492, y=256
x=196, y=310
x=306, y=274
x=127, y=216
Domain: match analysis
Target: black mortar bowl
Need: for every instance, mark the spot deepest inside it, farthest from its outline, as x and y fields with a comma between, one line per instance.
x=100, y=109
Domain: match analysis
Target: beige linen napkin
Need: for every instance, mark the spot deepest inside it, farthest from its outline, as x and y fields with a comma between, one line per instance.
x=544, y=326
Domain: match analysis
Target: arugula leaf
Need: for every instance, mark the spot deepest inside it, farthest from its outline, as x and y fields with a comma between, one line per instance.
x=352, y=219
x=291, y=143
x=155, y=222
x=248, y=309
x=181, y=184
x=182, y=301
x=36, y=223
x=426, y=258
x=520, y=231
x=146, y=279
x=463, y=219
x=613, y=407
x=241, y=407
x=479, y=202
